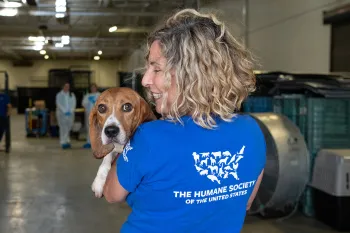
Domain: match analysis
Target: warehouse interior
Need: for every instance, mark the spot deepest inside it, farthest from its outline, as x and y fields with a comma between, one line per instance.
x=302, y=101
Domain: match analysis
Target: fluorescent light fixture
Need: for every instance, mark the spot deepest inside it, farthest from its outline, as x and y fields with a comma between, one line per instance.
x=12, y=4
x=36, y=38
x=61, y=9
x=60, y=15
x=65, y=40
x=42, y=52
x=61, y=2
x=39, y=43
x=24, y=1
x=46, y=56
x=59, y=45
x=96, y=58
x=9, y=12
x=113, y=29
x=99, y=52
x=37, y=47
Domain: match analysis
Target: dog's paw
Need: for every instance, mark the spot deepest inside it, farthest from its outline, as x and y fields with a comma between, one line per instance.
x=97, y=187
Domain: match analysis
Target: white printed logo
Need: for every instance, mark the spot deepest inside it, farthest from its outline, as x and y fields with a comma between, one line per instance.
x=126, y=150
x=217, y=165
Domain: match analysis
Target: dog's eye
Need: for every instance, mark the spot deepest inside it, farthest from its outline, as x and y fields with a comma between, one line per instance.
x=102, y=108
x=127, y=107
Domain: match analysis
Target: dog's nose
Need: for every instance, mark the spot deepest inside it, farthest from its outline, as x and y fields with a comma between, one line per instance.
x=111, y=131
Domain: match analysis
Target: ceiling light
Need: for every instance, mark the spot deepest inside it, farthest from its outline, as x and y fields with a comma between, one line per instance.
x=42, y=52
x=60, y=15
x=36, y=38
x=61, y=2
x=39, y=43
x=59, y=45
x=12, y=4
x=9, y=12
x=46, y=56
x=61, y=9
x=99, y=52
x=113, y=29
x=65, y=40
x=96, y=58
x=37, y=47
x=24, y=1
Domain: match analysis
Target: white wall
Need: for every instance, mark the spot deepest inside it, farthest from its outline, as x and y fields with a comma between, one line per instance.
x=104, y=72
x=290, y=35
x=286, y=35
x=228, y=11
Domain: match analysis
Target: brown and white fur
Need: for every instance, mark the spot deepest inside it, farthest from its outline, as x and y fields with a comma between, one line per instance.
x=113, y=120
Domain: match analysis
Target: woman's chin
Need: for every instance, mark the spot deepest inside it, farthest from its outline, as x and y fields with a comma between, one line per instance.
x=158, y=107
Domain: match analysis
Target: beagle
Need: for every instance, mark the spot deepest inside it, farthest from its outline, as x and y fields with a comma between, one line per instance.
x=113, y=120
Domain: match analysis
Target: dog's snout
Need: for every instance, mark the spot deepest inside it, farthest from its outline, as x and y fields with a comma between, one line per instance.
x=111, y=131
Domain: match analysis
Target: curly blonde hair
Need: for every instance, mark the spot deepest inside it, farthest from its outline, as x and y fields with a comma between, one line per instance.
x=213, y=71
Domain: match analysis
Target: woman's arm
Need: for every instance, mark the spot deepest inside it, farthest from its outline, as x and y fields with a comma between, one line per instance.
x=112, y=190
x=255, y=190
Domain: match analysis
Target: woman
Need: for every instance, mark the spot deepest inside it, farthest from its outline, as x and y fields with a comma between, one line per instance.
x=198, y=169
x=65, y=107
x=88, y=103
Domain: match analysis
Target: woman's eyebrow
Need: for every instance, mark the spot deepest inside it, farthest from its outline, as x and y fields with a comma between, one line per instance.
x=154, y=63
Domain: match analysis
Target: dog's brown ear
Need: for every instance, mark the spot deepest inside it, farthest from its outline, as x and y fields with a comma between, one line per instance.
x=145, y=114
x=98, y=150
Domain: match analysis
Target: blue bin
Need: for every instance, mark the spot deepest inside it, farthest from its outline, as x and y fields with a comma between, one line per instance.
x=258, y=104
x=39, y=118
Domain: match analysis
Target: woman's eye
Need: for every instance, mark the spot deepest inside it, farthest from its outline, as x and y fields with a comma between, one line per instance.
x=126, y=107
x=102, y=108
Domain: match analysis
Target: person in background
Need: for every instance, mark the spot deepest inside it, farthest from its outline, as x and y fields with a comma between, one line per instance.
x=88, y=103
x=5, y=110
x=65, y=106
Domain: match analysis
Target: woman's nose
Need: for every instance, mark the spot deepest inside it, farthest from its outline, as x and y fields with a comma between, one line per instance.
x=146, y=79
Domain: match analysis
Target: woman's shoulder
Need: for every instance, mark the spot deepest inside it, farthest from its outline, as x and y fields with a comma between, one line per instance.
x=152, y=126
x=244, y=120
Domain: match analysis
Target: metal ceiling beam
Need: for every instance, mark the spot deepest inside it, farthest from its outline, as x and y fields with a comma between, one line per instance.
x=70, y=49
x=76, y=29
x=10, y=52
x=74, y=39
x=100, y=12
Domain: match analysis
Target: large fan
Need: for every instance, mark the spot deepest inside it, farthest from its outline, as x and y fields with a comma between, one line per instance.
x=287, y=166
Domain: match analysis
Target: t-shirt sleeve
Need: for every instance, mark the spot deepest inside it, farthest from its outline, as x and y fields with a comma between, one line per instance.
x=260, y=146
x=7, y=99
x=132, y=163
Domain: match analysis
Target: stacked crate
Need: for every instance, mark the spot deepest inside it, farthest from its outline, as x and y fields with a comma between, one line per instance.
x=258, y=104
x=325, y=123
x=319, y=106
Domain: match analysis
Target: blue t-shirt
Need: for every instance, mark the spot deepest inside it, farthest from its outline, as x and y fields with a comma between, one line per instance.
x=4, y=101
x=184, y=178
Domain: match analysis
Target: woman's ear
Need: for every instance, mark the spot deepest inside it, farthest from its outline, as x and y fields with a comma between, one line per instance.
x=98, y=150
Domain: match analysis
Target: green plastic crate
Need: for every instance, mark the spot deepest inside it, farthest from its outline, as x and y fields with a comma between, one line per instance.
x=328, y=124
x=294, y=107
x=325, y=123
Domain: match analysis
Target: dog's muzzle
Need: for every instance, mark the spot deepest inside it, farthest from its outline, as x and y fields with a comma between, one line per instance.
x=112, y=131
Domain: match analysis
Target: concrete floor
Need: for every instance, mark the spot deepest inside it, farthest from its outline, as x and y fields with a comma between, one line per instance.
x=44, y=189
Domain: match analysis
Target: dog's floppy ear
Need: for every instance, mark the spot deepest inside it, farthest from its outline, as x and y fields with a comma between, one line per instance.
x=145, y=114
x=98, y=150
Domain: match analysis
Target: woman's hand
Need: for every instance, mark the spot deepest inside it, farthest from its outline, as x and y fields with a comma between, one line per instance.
x=113, y=191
